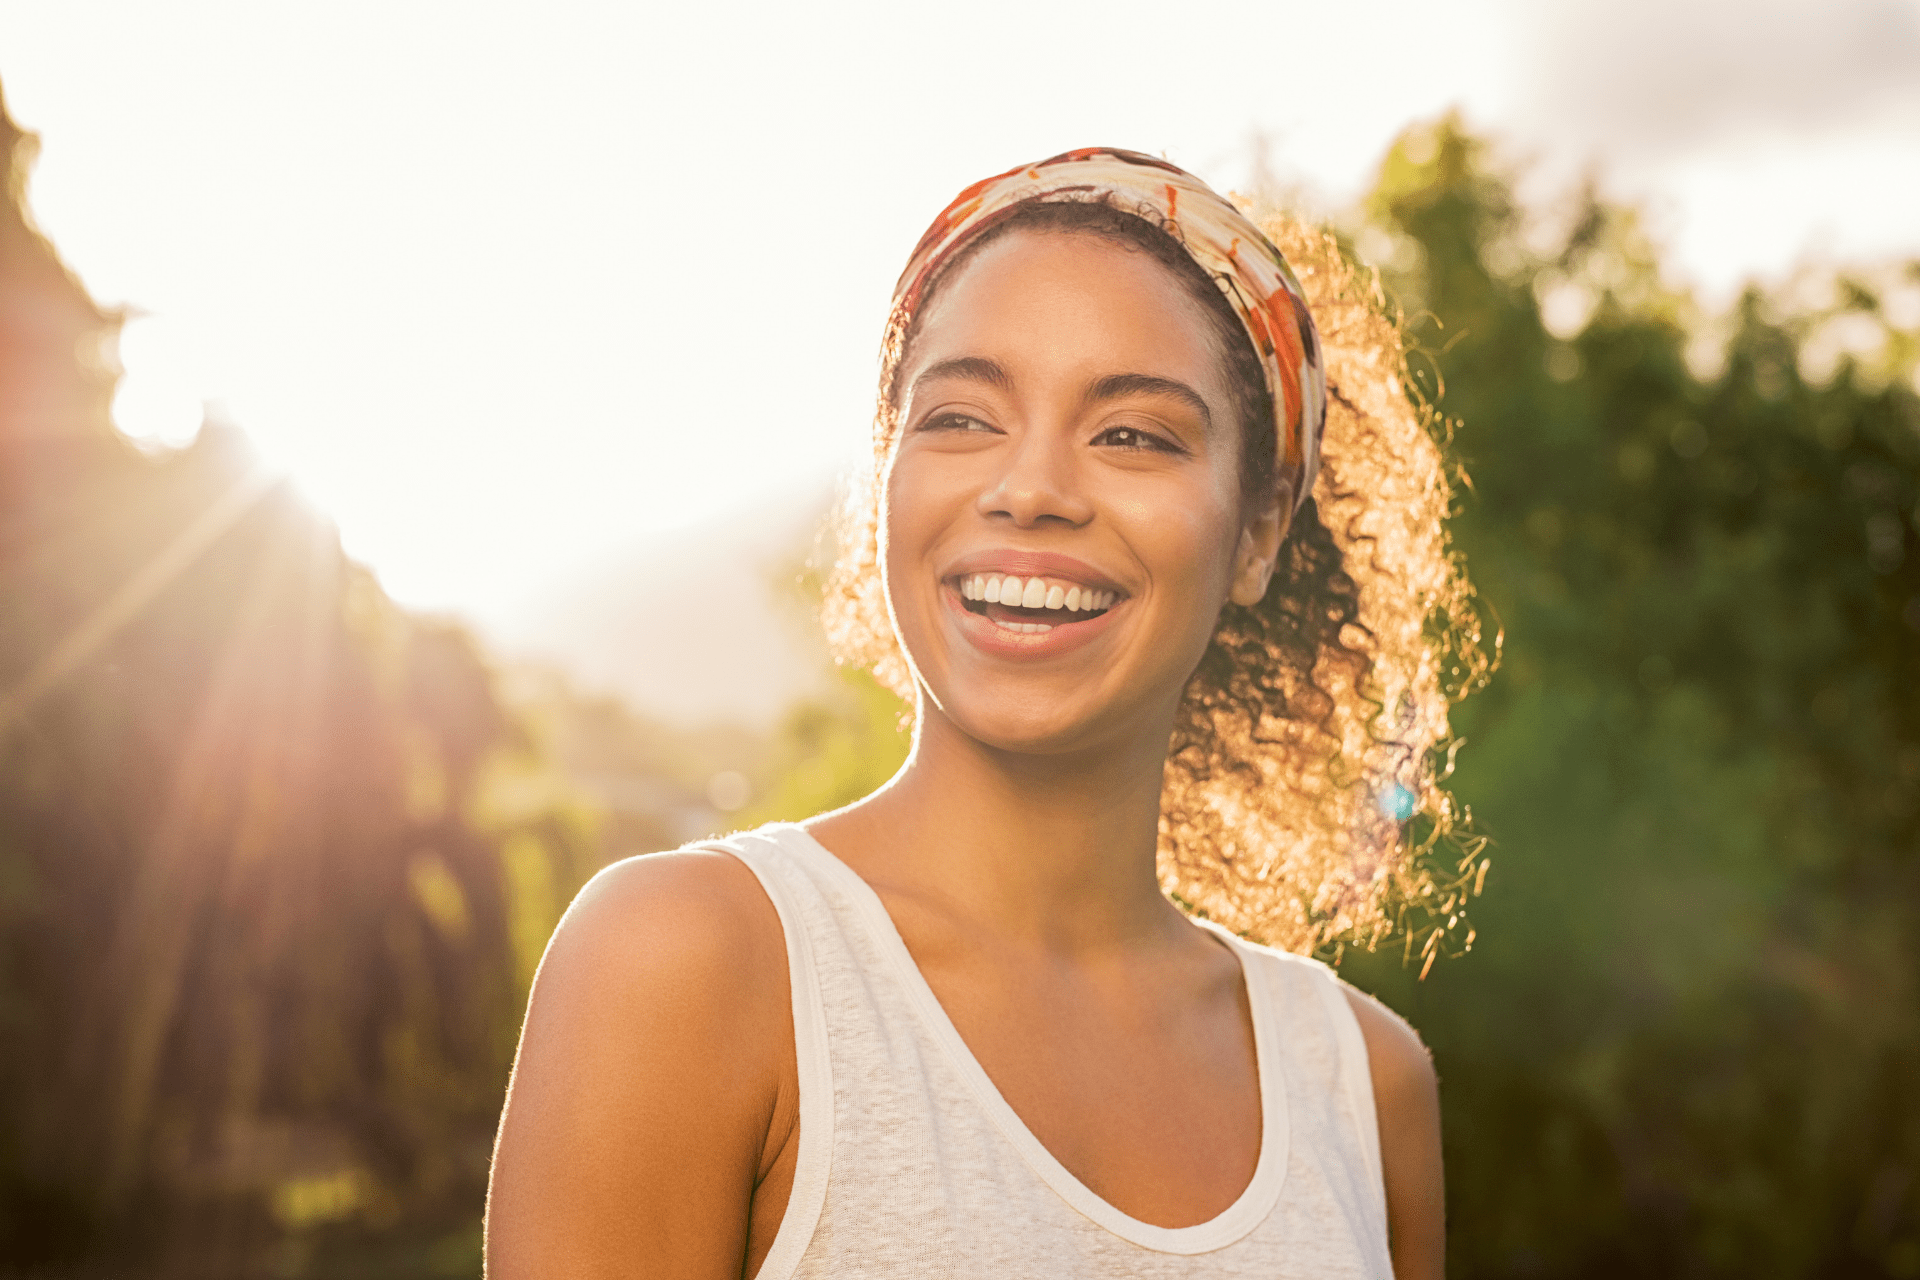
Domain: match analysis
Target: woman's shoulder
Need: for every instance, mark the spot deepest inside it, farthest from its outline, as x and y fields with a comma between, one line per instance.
x=690, y=925
x=694, y=905
x=691, y=880
x=654, y=1079
x=1406, y=1100
x=1396, y=1054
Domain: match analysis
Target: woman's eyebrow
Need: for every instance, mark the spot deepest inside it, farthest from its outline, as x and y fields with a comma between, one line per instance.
x=1115, y=386
x=971, y=368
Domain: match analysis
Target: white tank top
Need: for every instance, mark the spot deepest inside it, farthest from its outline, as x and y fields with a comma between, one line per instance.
x=911, y=1164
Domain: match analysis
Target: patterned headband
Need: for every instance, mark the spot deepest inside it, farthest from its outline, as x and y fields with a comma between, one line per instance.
x=1228, y=247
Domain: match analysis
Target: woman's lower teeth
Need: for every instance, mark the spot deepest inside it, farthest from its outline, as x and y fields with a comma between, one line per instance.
x=1027, y=627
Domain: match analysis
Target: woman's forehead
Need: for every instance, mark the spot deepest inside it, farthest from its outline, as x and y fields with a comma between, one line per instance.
x=1052, y=299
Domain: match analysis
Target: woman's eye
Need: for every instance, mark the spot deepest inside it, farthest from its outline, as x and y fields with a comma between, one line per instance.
x=1135, y=438
x=953, y=422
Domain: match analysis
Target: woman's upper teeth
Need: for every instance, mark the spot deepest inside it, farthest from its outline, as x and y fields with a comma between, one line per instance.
x=1034, y=593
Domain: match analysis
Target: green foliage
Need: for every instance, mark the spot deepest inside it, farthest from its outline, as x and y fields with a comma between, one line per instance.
x=1686, y=1039
x=835, y=750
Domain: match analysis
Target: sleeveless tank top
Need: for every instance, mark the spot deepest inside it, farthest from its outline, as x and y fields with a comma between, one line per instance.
x=911, y=1164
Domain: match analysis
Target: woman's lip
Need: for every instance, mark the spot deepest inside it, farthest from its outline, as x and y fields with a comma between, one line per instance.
x=984, y=633
x=1032, y=564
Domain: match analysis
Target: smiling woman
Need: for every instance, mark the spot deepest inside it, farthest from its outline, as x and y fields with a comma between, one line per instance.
x=1300, y=746
x=1177, y=680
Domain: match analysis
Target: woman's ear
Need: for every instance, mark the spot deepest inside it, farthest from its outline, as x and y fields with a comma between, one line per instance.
x=1260, y=548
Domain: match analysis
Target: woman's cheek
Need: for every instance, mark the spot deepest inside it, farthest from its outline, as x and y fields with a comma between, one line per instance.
x=1190, y=536
x=909, y=524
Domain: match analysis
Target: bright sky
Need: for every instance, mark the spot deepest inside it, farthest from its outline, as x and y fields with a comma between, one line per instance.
x=505, y=286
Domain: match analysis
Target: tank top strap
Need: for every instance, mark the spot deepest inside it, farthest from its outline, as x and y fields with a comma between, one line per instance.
x=1356, y=1077
x=807, y=921
x=1326, y=1059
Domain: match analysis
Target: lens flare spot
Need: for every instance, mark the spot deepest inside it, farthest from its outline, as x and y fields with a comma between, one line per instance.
x=1397, y=802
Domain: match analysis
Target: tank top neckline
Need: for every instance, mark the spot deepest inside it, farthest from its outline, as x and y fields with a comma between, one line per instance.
x=1233, y=1223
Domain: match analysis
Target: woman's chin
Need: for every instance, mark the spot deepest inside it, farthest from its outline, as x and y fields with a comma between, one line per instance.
x=1017, y=722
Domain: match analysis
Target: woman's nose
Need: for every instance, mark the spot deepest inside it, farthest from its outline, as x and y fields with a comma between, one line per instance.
x=1038, y=484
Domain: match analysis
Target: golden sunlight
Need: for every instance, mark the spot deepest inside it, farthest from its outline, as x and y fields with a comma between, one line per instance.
x=159, y=402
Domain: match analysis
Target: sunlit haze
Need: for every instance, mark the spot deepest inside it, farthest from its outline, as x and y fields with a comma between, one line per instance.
x=509, y=288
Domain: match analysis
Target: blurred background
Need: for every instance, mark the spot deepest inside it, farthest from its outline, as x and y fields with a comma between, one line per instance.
x=415, y=427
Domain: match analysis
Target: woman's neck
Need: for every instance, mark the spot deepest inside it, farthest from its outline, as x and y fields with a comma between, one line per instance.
x=1053, y=850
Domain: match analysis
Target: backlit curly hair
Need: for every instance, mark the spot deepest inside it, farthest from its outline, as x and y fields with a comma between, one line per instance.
x=1303, y=801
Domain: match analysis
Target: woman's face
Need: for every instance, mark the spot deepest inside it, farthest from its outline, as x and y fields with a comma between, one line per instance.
x=1063, y=518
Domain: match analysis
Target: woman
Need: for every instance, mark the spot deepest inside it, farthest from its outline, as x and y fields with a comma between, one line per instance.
x=1155, y=647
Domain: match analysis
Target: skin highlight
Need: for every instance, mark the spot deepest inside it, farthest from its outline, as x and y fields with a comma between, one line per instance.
x=1051, y=411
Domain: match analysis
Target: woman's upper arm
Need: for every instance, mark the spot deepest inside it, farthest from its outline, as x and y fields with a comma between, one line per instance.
x=650, y=1069
x=1406, y=1097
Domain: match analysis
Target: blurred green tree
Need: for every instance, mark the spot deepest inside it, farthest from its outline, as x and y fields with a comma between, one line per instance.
x=1688, y=1038
x=832, y=750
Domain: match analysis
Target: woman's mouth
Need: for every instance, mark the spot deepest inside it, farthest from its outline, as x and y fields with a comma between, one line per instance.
x=1031, y=605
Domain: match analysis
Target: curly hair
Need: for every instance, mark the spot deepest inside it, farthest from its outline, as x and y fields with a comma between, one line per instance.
x=1303, y=800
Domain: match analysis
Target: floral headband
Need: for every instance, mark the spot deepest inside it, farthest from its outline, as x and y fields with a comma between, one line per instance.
x=1257, y=283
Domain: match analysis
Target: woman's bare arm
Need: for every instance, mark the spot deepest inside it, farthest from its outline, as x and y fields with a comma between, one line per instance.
x=1406, y=1097
x=652, y=1083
